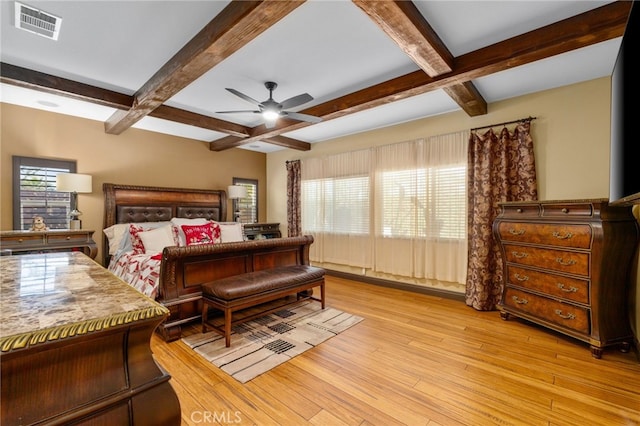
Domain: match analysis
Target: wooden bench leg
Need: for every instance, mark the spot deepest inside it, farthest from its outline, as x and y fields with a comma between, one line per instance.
x=322, y=294
x=227, y=327
x=205, y=314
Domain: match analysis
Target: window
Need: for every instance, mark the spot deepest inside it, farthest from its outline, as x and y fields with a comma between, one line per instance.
x=247, y=206
x=34, y=192
x=424, y=203
x=394, y=209
x=339, y=205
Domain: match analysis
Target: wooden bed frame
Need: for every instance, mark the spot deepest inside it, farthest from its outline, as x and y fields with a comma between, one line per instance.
x=183, y=270
x=133, y=204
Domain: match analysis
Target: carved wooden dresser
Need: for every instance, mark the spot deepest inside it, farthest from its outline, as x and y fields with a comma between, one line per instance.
x=566, y=267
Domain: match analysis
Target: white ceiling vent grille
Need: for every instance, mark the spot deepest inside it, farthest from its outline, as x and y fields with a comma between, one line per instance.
x=36, y=21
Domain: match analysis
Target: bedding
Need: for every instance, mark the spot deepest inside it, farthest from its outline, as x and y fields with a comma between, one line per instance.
x=138, y=255
x=140, y=271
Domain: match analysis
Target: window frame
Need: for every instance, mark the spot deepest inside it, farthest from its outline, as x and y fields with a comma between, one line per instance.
x=45, y=163
x=248, y=208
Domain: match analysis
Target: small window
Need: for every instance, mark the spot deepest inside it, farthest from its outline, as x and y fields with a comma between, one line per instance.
x=247, y=206
x=34, y=192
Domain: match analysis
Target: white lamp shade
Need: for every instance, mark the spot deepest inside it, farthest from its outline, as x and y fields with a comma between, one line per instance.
x=237, y=191
x=73, y=182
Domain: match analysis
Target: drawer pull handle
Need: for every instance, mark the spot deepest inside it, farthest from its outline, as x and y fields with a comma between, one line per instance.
x=565, y=262
x=20, y=240
x=521, y=277
x=563, y=237
x=571, y=289
x=565, y=210
x=519, y=210
x=518, y=254
x=568, y=316
x=519, y=301
x=68, y=238
x=516, y=231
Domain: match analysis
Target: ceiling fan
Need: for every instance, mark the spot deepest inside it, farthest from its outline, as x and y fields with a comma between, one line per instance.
x=272, y=110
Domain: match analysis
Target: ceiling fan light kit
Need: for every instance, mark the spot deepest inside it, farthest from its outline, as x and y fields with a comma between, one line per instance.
x=271, y=110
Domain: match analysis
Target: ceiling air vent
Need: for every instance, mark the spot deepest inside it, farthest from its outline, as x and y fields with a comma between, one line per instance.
x=36, y=21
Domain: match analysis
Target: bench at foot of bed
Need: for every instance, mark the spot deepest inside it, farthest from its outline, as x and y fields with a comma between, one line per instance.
x=251, y=289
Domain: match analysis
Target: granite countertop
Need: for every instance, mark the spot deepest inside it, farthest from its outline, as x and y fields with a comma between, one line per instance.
x=52, y=296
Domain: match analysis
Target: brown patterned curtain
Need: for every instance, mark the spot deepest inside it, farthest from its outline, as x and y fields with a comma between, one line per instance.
x=294, y=222
x=501, y=168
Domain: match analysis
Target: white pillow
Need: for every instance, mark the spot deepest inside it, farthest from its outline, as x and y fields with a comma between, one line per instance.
x=178, y=222
x=115, y=234
x=156, y=240
x=126, y=244
x=231, y=232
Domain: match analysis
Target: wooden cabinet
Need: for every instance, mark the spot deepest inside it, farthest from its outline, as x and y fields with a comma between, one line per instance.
x=567, y=267
x=22, y=242
x=258, y=231
x=75, y=346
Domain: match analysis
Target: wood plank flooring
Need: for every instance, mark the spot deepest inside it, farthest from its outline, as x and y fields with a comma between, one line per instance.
x=416, y=360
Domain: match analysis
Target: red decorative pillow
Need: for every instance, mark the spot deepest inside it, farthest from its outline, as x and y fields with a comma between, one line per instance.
x=201, y=234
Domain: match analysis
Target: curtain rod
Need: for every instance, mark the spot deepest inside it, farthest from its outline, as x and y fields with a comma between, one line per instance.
x=505, y=123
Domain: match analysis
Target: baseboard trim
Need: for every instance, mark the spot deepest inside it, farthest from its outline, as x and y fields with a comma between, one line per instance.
x=398, y=285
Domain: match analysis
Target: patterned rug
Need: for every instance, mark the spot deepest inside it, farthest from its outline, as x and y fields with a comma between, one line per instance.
x=263, y=343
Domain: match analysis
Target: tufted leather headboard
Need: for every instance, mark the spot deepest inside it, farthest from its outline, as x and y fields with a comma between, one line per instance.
x=133, y=204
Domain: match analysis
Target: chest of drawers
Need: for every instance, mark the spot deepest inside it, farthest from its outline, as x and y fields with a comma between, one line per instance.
x=566, y=267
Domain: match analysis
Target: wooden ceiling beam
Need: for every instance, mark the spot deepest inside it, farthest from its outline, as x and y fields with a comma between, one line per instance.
x=229, y=142
x=601, y=24
x=405, y=25
x=34, y=80
x=198, y=120
x=238, y=24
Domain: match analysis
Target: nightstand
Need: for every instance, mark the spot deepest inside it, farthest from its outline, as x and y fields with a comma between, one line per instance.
x=258, y=231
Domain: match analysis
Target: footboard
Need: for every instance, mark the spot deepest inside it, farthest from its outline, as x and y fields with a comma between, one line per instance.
x=184, y=269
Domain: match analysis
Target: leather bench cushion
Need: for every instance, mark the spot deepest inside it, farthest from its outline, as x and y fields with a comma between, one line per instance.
x=259, y=282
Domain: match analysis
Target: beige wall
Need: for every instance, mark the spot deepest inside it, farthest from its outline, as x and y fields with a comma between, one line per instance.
x=135, y=157
x=571, y=137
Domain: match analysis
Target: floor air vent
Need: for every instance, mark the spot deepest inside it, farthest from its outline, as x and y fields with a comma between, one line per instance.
x=36, y=21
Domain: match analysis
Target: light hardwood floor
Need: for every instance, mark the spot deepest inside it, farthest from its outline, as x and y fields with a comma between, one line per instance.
x=416, y=360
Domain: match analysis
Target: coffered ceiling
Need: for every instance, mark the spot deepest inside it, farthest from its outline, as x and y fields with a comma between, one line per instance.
x=164, y=65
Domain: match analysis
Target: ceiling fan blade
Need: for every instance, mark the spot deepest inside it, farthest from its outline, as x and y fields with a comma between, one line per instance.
x=237, y=112
x=302, y=117
x=296, y=100
x=245, y=97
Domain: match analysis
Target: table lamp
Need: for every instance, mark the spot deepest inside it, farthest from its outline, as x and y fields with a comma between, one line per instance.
x=74, y=183
x=236, y=192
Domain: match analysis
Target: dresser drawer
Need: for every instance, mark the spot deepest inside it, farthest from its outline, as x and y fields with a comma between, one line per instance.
x=555, y=260
x=577, y=236
x=567, y=209
x=563, y=314
x=554, y=285
x=520, y=211
x=24, y=239
x=67, y=238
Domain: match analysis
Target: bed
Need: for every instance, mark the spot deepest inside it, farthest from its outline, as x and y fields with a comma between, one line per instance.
x=170, y=269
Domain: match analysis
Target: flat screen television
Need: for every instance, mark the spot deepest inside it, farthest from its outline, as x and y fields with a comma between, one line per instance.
x=624, y=187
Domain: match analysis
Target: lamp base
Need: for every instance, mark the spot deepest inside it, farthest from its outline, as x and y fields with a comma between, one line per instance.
x=75, y=224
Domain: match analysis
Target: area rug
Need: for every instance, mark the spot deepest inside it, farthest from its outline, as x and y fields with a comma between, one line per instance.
x=263, y=343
